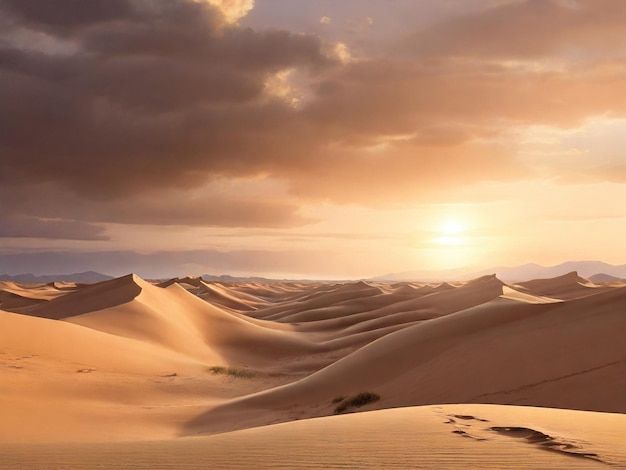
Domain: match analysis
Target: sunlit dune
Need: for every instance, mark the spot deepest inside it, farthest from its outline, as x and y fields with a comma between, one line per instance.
x=135, y=368
x=445, y=436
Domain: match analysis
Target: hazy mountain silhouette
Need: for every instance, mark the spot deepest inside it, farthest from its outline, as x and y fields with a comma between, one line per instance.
x=523, y=272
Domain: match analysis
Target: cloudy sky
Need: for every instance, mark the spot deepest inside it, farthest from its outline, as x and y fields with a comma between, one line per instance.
x=310, y=138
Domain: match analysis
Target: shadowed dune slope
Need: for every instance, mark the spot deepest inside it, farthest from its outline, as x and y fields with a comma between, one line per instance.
x=224, y=297
x=15, y=296
x=216, y=293
x=503, y=351
x=13, y=301
x=323, y=297
x=177, y=319
x=404, y=311
x=91, y=298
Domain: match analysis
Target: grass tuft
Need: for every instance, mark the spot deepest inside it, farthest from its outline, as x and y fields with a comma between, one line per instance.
x=238, y=372
x=338, y=399
x=356, y=401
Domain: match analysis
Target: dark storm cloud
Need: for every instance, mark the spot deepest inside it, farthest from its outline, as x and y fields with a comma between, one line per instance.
x=64, y=16
x=167, y=95
x=153, y=208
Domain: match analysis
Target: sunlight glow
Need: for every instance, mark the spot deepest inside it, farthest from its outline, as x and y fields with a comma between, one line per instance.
x=452, y=227
x=451, y=233
x=450, y=240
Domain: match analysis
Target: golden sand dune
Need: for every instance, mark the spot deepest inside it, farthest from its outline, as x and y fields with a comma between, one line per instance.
x=64, y=380
x=219, y=295
x=178, y=320
x=502, y=351
x=299, y=309
x=436, y=437
x=89, y=299
x=148, y=366
x=564, y=287
x=515, y=293
x=15, y=296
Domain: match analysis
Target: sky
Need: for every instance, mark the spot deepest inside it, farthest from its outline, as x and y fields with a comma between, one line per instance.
x=325, y=139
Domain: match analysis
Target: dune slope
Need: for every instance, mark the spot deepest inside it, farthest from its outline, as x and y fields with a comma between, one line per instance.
x=448, y=436
x=127, y=361
x=504, y=351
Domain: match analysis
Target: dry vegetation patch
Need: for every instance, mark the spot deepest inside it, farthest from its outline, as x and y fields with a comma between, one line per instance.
x=356, y=401
x=238, y=372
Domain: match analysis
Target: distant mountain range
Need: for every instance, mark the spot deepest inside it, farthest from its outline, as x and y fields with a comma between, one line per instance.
x=86, y=277
x=257, y=279
x=587, y=269
x=596, y=271
x=229, y=278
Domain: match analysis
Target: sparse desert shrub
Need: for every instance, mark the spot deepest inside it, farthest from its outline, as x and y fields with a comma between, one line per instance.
x=338, y=399
x=238, y=372
x=356, y=401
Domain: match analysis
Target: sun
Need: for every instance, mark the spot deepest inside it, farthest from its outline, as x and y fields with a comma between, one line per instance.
x=450, y=233
x=452, y=227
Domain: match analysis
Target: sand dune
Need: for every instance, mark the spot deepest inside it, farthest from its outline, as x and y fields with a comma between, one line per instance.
x=15, y=296
x=130, y=361
x=218, y=295
x=176, y=319
x=438, y=437
x=568, y=286
x=92, y=298
x=320, y=299
x=513, y=293
x=58, y=378
x=504, y=351
x=398, y=310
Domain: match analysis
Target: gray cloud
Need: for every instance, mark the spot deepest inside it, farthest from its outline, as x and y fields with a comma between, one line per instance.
x=65, y=16
x=142, y=102
x=167, y=95
x=31, y=227
x=152, y=208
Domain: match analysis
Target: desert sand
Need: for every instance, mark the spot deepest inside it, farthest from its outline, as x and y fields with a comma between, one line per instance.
x=187, y=373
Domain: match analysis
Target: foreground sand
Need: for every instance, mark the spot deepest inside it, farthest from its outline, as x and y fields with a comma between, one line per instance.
x=122, y=374
x=438, y=437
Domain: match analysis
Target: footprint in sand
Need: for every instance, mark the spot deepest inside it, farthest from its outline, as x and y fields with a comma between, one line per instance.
x=462, y=428
x=531, y=436
x=545, y=441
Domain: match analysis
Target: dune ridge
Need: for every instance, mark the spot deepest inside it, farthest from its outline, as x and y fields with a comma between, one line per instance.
x=186, y=358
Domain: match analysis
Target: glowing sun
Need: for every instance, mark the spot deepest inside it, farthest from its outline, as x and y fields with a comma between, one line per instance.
x=450, y=233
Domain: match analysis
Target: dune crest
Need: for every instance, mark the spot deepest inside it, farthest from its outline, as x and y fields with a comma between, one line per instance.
x=568, y=286
x=91, y=298
x=188, y=357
